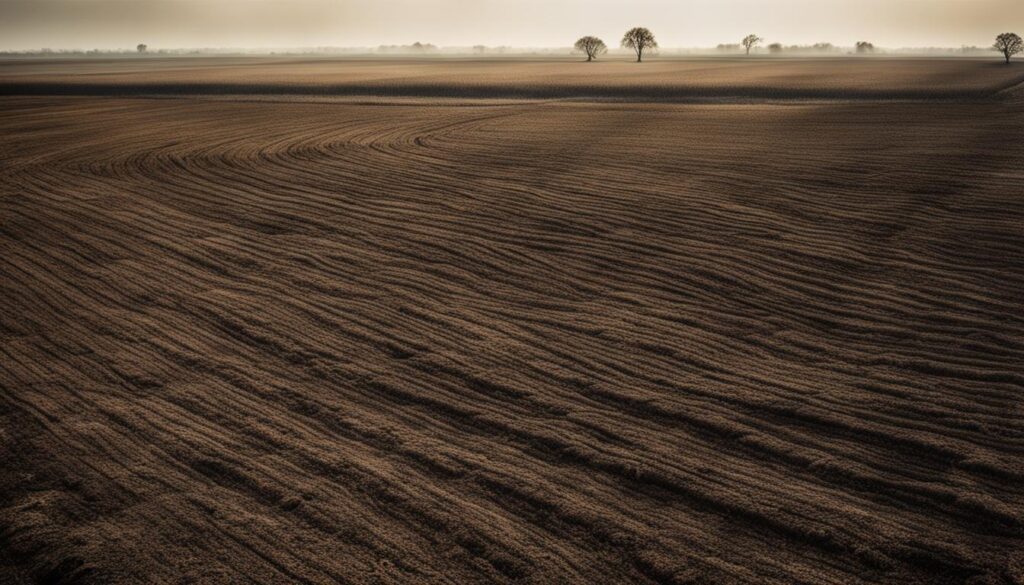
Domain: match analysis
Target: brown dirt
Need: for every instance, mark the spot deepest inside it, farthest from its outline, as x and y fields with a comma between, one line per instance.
x=524, y=342
x=659, y=80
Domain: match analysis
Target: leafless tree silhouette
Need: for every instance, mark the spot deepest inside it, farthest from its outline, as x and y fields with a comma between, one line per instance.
x=1009, y=44
x=639, y=39
x=592, y=46
x=751, y=41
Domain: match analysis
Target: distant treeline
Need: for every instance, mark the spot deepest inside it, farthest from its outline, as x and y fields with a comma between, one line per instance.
x=862, y=47
x=419, y=48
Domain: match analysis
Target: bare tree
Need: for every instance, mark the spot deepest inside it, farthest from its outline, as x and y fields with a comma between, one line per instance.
x=141, y=48
x=865, y=47
x=1009, y=44
x=639, y=39
x=775, y=47
x=592, y=46
x=751, y=41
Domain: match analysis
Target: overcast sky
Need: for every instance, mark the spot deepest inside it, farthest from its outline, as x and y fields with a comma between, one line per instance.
x=108, y=24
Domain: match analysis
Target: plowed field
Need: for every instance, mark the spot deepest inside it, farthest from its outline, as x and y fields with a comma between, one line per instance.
x=282, y=340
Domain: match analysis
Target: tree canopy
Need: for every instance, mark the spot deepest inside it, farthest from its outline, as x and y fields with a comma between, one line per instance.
x=1009, y=44
x=639, y=39
x=591, y=46
x=751, y=41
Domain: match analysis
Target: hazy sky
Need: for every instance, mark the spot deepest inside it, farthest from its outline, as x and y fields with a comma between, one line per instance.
x=106, y=24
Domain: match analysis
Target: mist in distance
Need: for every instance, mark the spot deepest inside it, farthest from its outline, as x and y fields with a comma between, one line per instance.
x=120, y=24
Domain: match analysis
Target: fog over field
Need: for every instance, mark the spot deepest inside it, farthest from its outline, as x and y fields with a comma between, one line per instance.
x=113, y=24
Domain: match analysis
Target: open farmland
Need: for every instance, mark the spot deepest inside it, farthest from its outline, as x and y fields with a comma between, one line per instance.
x=302, y=337
x=664, y=80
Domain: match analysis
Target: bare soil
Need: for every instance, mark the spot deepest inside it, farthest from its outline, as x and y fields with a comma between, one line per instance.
x=657, y=80
x=290, y=341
